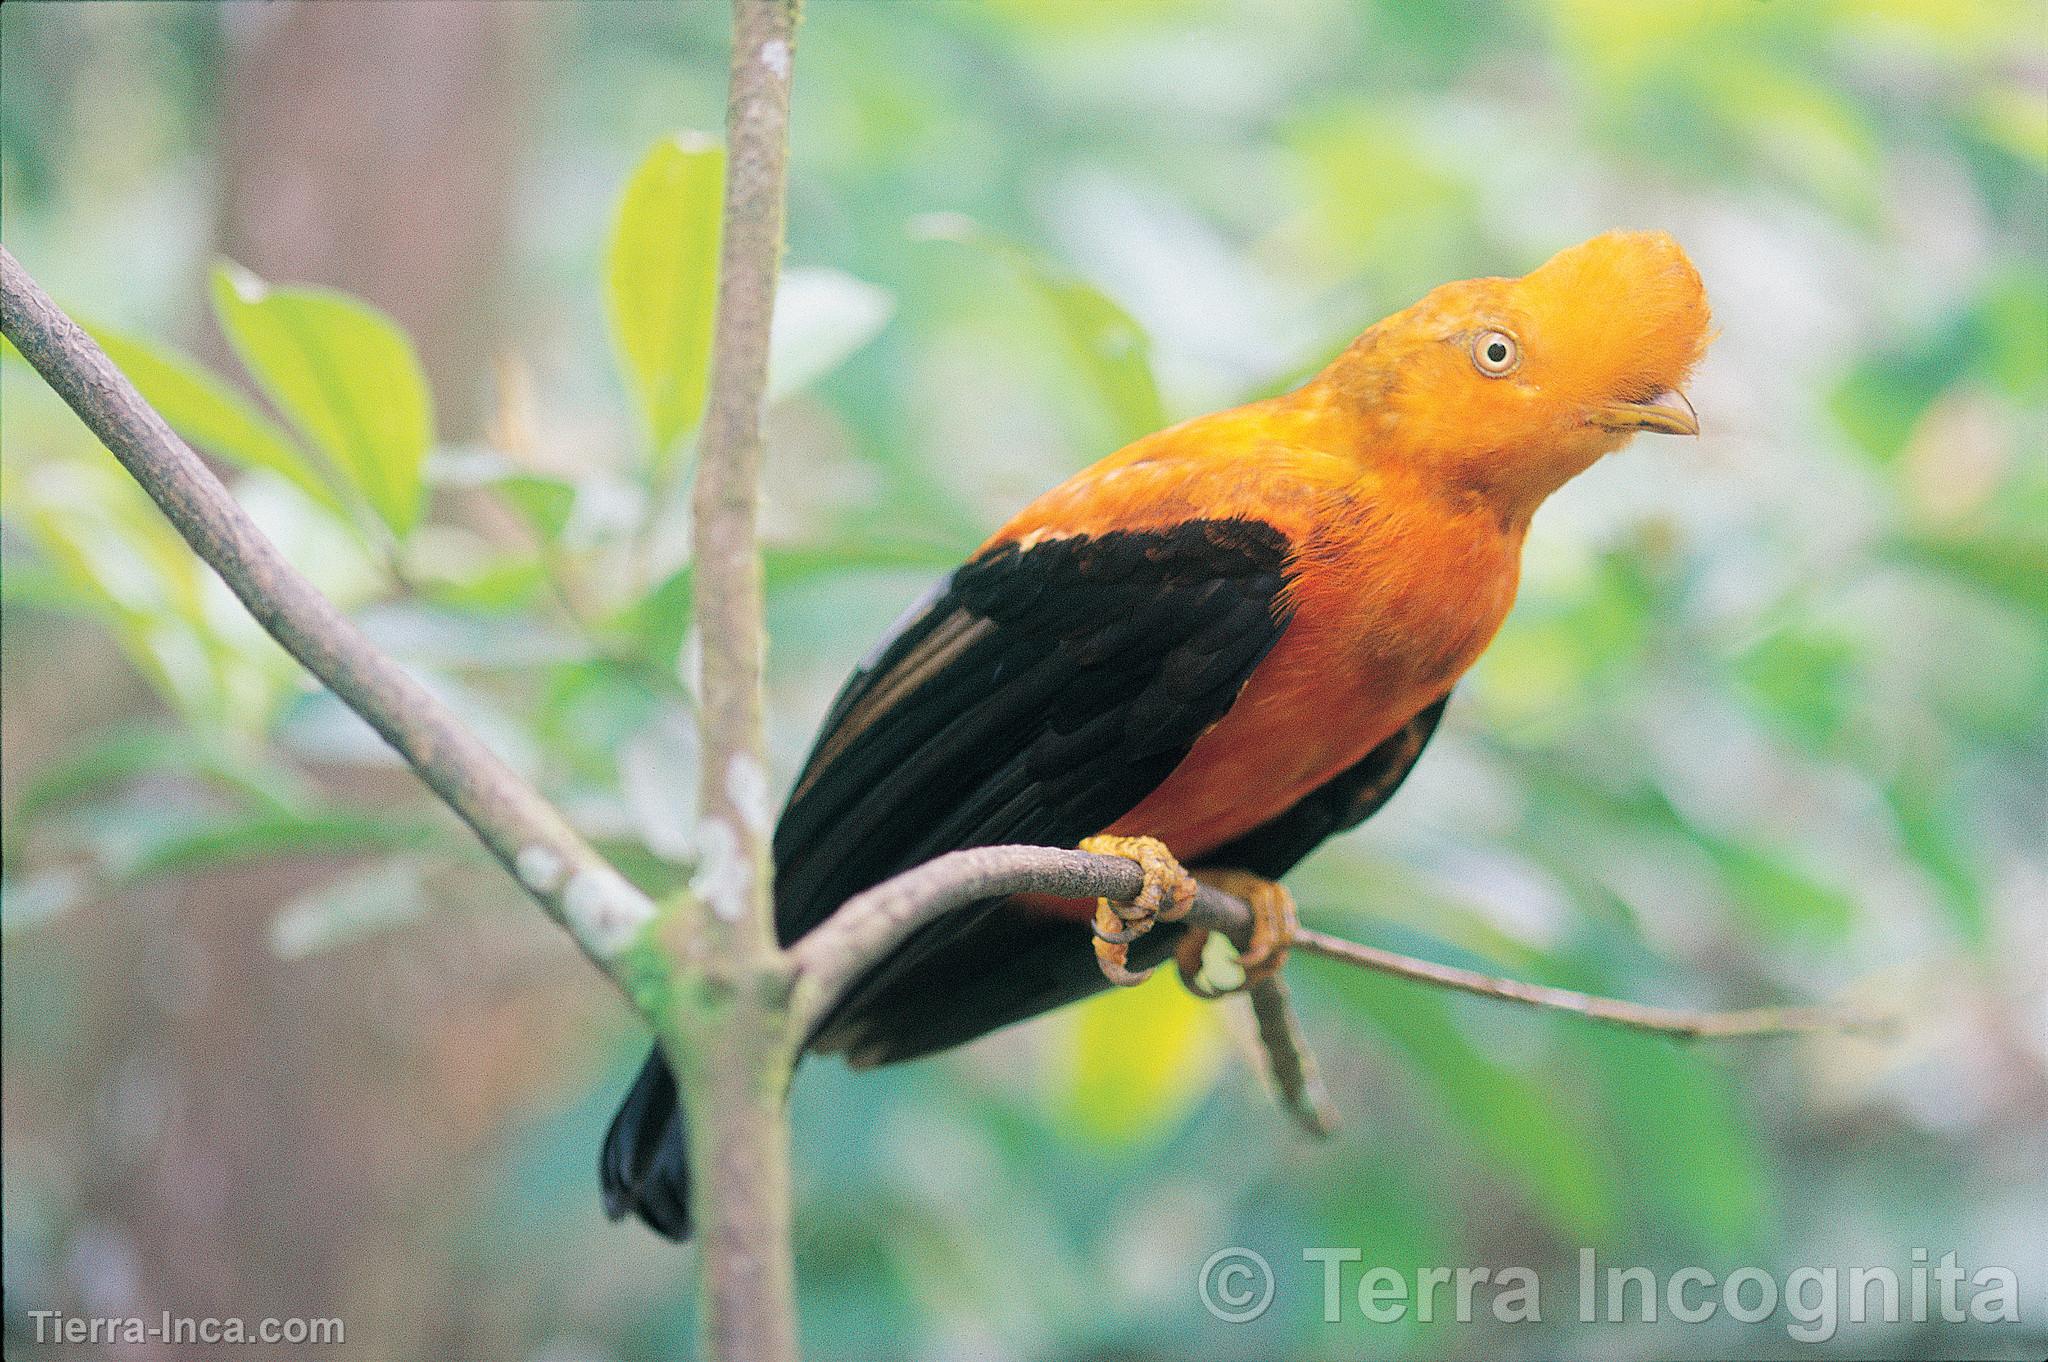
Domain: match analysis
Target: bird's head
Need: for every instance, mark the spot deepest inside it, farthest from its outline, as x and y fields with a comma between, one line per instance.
x=1506, y=388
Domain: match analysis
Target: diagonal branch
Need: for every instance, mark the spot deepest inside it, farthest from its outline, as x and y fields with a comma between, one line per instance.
x=561, y=871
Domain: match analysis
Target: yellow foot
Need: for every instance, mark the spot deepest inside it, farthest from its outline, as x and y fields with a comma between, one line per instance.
x=1168, y=894
x=1273, y=927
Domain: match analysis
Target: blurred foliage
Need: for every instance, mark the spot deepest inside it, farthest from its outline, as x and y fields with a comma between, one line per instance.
x=661, y=282
x=1767, y=720
x=347, y=379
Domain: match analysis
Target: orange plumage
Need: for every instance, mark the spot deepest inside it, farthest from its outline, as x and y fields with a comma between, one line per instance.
x=1235, y=636
x=1405, y=477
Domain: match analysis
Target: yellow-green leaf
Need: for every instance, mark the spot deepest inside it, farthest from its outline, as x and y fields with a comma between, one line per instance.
x=661, y=282
x=201, y=406
x=346, y=376
x=98, y=531
x=1135, y=1060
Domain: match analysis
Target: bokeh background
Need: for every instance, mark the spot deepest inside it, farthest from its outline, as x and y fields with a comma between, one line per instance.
x=1767, y=723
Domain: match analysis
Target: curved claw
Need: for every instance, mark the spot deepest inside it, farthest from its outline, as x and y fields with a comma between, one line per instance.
x=1167, y=895
x=1115, y=970
x=1112, y=946
x=1119, y=936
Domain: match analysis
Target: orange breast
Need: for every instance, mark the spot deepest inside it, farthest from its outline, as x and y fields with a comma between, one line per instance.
x=1390, y=608
x=1395, y=592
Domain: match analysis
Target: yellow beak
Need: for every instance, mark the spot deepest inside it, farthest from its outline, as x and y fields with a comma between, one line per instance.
x=1668, y=413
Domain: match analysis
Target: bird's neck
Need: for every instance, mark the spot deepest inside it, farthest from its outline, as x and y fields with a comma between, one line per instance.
x=1426, y=454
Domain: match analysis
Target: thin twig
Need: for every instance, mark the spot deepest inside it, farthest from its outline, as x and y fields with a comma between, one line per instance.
x=869, y=925
x=560, y=870
x=1290, y=1064
x=1672, y=1021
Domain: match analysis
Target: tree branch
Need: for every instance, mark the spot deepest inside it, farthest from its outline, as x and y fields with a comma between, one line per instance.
x=561, y=871
x=730, y=1041
x=718, y=996
x=1685, y=1023
x=871, y=924
x=735, y=799
x=1290, y=1064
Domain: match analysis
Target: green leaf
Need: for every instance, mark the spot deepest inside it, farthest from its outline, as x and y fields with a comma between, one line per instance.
x=797, y=564
x=131, y=753
x=1113, y=350
x=1766, y=879
x=657, y=623
x=1686, y=1152
x=241, y=838
x=1678, y=1140
x=661, y=282
x=1934, y=834
x=1106, y=343
x=348, y=379
x=1777, y=894
x=499, y=584
x=200, y=406
x=1883, y=399
x=2012, y=567
x=1132, y=1061
x=545, y=502
x=2009, y=317
x=544, y=499
x=1511, y=1116
x=1804, y=678
x=27, y=581
x=103, y=538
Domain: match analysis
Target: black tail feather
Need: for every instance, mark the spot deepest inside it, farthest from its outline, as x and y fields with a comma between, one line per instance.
x=644, y=1168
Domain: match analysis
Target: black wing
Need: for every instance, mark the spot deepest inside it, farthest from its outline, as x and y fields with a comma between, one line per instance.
x=1344, y=801
x=1009, y=965
x=1037, y=697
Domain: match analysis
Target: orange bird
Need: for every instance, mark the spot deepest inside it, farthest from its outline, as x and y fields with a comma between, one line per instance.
x=1219, y=646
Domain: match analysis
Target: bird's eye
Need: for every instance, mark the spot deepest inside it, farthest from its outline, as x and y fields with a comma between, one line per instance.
x=1496, y=354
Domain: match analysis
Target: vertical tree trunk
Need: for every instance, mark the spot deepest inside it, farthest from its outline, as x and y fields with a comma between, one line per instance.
x=729, y=1034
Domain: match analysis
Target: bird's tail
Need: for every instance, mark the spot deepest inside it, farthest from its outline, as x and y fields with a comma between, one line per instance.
x=643, y=1168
